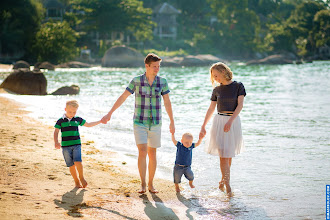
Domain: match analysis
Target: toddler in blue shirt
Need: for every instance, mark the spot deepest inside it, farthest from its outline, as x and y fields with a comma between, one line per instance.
x=183, y=159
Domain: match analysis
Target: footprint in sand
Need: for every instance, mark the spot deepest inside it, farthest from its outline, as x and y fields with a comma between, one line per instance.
x=51, y=177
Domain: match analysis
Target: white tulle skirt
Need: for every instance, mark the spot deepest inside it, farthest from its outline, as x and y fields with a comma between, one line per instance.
x=226, y=144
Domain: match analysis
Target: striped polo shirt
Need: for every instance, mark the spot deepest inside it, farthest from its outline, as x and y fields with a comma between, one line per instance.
x=69, y=130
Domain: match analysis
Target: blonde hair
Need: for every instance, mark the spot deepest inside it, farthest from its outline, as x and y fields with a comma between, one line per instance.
x=72, y=103
x=223, y=69
x=187, y=135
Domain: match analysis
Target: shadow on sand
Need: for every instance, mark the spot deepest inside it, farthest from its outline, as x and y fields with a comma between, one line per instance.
x=159, y=210
x=73, y=203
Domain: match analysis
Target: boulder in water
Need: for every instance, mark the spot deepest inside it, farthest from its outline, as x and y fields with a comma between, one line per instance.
x=121, y=56
x=21, y=64
x=67, y=90
x=26, y=82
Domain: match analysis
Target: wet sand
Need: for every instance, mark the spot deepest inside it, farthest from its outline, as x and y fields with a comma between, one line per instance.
x=36, y=184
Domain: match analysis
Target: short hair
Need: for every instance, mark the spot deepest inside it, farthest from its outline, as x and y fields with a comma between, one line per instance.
x=72, y=103
x=151, y=57
x=187, y=135
x=222, y=68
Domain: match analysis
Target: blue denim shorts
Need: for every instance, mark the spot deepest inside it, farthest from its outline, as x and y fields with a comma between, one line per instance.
x=178, y=171
x=72, y=154
x=149, y=135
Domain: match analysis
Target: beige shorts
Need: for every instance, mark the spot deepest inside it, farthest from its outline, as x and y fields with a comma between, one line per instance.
x=149, y=135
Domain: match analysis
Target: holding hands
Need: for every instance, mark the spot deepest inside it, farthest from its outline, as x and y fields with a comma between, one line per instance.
x=202, y=133
x=106, y=118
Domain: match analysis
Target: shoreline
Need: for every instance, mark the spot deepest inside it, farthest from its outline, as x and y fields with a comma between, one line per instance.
x=36, y=184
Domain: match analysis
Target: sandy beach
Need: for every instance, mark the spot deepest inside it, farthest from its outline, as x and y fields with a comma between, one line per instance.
x=36, y=184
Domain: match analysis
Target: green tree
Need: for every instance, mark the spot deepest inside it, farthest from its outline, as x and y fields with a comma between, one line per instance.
x=19, y=20
x=238, y=28
x=301, y=24
x=55, y=42
x=106, y=16
x=321, y=30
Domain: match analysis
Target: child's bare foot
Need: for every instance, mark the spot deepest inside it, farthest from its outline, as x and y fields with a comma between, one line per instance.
x=222, y=186
x=84, y=183
x=191, y=184
x=77, y=184
x=177, y=188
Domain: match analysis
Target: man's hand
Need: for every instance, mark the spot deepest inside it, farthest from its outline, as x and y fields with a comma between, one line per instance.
x=106, y=118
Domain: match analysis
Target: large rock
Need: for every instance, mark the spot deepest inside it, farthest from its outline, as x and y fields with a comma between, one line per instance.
x=171, y=61
x=273, y=59
x=21, y=64
x=67, y=90
x=44, y=65
x=74, y=64
x=26, y=82
x=200, y=60
x=121, y=56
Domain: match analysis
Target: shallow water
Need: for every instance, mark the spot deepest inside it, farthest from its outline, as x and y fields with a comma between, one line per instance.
x=285, y=121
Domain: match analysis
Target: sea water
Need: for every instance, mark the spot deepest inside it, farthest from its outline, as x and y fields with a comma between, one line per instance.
x=285, y=121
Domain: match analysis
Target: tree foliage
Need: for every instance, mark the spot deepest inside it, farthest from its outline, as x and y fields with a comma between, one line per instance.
x=19, y=20
x=321, y=32
x=236, y=28
x=106, y=16
x=55, y=42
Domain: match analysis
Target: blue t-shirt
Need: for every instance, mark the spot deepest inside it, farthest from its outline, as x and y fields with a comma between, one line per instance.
x=183, y=154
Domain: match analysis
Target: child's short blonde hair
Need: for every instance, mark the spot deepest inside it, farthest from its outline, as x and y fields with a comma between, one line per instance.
x=223, y=69
x=187, y=135
x=72, y=103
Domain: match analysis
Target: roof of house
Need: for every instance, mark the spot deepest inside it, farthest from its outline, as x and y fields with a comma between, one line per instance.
x=166, y=8
x=53, y=4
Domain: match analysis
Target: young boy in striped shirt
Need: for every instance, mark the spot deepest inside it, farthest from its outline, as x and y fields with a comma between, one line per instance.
x=71, y=144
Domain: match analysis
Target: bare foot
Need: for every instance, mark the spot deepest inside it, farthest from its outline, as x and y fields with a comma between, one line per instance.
x=143, y=190
x=177, y=188
x=231, y=194
x=77, y=185
x=222, y=186
x=84, y=183
x=228, y=189
x=191, y=184
x=153, y=190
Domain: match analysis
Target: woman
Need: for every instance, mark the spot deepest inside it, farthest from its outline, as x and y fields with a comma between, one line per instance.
x=226, y=138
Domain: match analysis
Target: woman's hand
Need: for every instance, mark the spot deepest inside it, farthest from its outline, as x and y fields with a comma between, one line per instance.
x=202, y=133
x=227, y=126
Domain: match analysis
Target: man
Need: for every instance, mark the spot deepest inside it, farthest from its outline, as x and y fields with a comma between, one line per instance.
x=148, y=89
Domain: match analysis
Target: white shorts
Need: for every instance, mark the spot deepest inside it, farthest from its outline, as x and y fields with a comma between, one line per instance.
x=225, y=144
x=148, y=135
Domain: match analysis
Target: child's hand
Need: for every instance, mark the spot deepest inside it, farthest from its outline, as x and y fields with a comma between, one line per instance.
x=57, y=145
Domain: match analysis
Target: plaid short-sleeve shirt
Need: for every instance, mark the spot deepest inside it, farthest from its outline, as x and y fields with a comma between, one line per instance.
x=148, y=98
